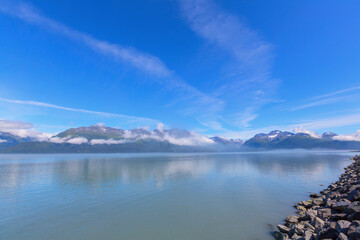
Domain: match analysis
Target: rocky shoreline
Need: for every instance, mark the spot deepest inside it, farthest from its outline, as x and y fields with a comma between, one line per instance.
x=332, y=214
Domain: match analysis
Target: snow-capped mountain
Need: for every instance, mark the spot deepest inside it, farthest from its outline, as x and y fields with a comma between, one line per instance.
x=279, y=139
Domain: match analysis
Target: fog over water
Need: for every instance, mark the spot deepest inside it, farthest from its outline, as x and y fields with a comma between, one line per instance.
x=158, y=196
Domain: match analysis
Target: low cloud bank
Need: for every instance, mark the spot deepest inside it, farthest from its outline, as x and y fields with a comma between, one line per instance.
x=131, y=136
x=23, y=129
x=352, y=137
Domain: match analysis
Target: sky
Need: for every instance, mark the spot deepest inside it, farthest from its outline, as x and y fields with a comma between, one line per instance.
x=228, y=68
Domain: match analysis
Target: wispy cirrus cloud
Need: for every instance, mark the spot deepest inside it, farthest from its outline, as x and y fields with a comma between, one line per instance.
x=105, y=114
x=234, y=100
x=338, y=92
x=247, y=83
x=146, y=63
x=330, y=98
x=327, y=100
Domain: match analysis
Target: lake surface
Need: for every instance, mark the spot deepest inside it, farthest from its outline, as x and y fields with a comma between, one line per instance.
x=157, y=196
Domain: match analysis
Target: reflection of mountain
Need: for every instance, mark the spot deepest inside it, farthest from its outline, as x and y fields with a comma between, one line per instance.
x=98, y=169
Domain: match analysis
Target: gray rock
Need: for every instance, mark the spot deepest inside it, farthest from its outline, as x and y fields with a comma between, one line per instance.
x=354, y=216
x=306, y=204
x=353, y=207
x=338, y=216
x=354, y=195
x=283, y=229
x=292, y=219
x=342, y=225
x=314, y=195
x=311, y=214
x=318, y=201
x=354, y=187
x=333, y=194
x=327, y=233
x=330, y=202
x=354, y=232
x=295, y=236
x=340, y=206
x=299, y=229
x=318, y=222
x=280, y=236
x=308, y=235
x=324, y=213
x=309, y=226
x=342, y=236
x=301, y=208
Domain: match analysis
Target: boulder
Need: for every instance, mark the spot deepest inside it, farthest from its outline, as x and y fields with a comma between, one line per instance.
x=342, y=236
x=354, y=232
x=342, y=225
x=333, y=194
x=318, y=222
x=280, y=236
x=338, y=216
x=314, y=195
x=353, y=207
x=307, y=203
x=283, y=229
x=354, y=216
x=311, y=214
x=292, y=219
x=309, y=226
x=340, y=206
x=308, y=235
x=354, y=195
x=327, y=233
x=317, y=201
x=324, y=213
x=301, y=208
x=298, y=229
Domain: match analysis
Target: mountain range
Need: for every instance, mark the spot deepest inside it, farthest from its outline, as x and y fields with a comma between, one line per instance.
x=102, y=139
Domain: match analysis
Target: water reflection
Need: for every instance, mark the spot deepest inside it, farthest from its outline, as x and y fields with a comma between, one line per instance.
x=156, y=196
x=17, y=171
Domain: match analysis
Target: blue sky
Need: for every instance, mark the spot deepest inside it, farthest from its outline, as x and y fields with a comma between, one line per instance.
x=228, y=68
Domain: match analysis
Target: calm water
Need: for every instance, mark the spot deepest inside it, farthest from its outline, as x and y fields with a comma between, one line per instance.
x=157, y=196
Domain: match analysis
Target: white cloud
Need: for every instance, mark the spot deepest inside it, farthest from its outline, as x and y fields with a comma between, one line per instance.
x=7, y=124
x=77, y=140
x=326, y=101
x=352, y=137
x=303, y=130
x=193, y=140
x=338, y=92
x=160, y=126
x=58, y=139
x=144, y=62
x=3, y=140
x=107, y=141
x=49, y=105
x=22, y=129
x=246, y=80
